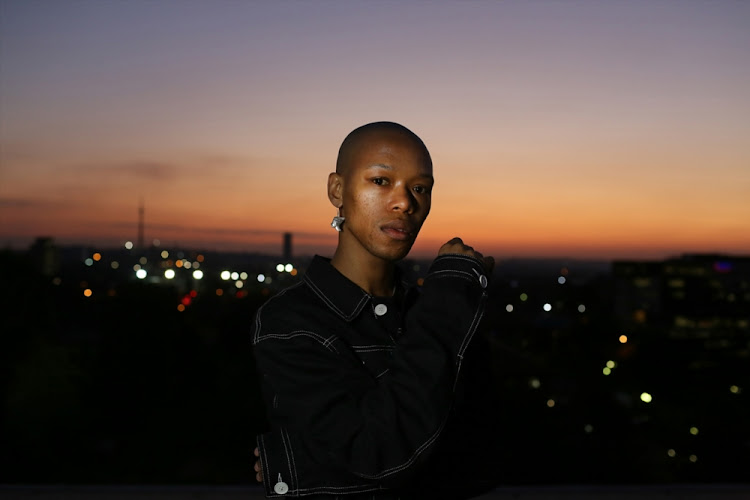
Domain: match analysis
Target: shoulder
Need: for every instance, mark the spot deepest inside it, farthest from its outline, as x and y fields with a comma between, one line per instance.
x=293, y=312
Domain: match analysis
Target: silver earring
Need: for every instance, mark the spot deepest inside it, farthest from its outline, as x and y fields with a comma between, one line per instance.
x=338, y=221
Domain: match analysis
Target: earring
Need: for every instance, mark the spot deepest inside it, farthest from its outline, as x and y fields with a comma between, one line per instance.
x=338, y=221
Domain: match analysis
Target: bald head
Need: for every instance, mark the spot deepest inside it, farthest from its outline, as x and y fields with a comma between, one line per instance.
x=375, y=132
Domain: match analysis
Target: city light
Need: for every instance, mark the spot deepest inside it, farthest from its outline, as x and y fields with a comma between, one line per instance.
x=226, y=275
x=588, y=428
x=115, y=264
x=611, y=364
x=550, y=403
x=524, y=297
x=646, y=397
x=97, y=256
x=169, y=274
x=180, y=307
x=547, y=307
x=561, y=280
x=178, y=263
x=623, y=339
x=671, y=453
x=694, y=431
x=535, y=383
x=219, y=292
x=509, y=308
x=288, y=268
x=143, y=261
x=261, y=278
x=235, y=276
x=243, y=275
x=136, y=267
x=280, y=268
x=187, y=264
x=141, y=274
x=239, y=284
x=606, y=370
x=129, y=245
x=198, y=274
x=581, y=308
x=196, y=264
x=693, y=458
x=734, y=389
x=156, y=243
x=89, y=262
x=87, y=292
x=164, y=254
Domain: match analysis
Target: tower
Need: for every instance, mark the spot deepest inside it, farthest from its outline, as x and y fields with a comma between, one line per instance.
x=287, y=251
x=141, y=217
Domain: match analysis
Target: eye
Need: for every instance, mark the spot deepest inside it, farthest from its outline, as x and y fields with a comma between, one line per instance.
x=421, y=189
x=380, y=181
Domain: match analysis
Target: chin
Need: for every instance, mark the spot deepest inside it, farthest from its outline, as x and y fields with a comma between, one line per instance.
x=393, y=254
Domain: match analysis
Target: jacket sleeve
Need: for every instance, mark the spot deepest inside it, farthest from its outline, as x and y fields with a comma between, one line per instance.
x=355, y=439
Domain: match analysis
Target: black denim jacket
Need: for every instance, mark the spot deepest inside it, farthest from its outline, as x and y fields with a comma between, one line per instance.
x=358, y=389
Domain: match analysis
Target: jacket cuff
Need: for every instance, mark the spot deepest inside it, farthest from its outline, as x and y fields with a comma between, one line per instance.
x=277, y=464
x=459, y=266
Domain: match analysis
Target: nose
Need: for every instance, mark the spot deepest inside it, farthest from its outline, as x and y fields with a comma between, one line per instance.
x=402, y=199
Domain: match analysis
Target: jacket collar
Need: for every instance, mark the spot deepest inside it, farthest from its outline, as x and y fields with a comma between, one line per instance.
x=339, y=293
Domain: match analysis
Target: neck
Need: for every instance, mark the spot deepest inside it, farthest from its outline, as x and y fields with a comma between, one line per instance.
x=372, y=274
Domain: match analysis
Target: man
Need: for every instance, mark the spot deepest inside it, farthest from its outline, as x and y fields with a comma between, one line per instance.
x=359, y=373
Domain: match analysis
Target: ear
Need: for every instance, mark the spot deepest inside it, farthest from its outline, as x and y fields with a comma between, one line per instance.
x=336, y=189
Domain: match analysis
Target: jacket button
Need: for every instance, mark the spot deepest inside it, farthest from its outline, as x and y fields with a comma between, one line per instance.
x=280, y=488
x=483, y=281
x=381, y=309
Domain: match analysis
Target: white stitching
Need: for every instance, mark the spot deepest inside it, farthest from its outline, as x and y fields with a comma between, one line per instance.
x=288, y=462
x=327, y=343
x=319, y=293
x=294, y=464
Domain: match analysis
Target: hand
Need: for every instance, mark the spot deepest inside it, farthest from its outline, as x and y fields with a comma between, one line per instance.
x=456, y=245
x=257, y=467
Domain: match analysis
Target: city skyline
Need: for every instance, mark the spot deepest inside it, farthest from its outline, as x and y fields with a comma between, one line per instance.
x=582, y=129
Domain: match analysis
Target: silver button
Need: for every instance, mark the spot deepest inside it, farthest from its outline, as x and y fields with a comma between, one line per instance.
x=280, y=487
x=483, y=281
x=381, y=309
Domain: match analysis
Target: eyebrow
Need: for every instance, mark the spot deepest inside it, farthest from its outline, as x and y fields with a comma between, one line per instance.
x=388, y=167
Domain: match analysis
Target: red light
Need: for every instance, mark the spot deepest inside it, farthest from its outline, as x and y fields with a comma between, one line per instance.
x=193, y=293
x=186, y=300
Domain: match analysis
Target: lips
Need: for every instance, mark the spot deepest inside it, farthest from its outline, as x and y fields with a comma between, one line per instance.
x=398, y=229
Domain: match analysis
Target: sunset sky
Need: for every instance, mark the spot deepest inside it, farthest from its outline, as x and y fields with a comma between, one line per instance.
x=582, y=129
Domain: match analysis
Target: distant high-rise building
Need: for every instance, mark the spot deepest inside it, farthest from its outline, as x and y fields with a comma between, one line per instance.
x=691, y=297
x=287, y=250
x=45, y=256
x=141, y=222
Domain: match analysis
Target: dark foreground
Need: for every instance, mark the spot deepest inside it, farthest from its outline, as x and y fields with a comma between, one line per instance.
x=569, y=492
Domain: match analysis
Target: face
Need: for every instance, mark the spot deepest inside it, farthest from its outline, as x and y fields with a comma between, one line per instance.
x=385, y=195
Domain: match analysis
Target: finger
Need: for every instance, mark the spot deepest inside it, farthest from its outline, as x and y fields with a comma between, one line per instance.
x=259, y=477
x=257, y=466
x=256, y=452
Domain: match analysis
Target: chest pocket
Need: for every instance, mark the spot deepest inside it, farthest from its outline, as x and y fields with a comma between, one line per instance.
x=374, y=358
